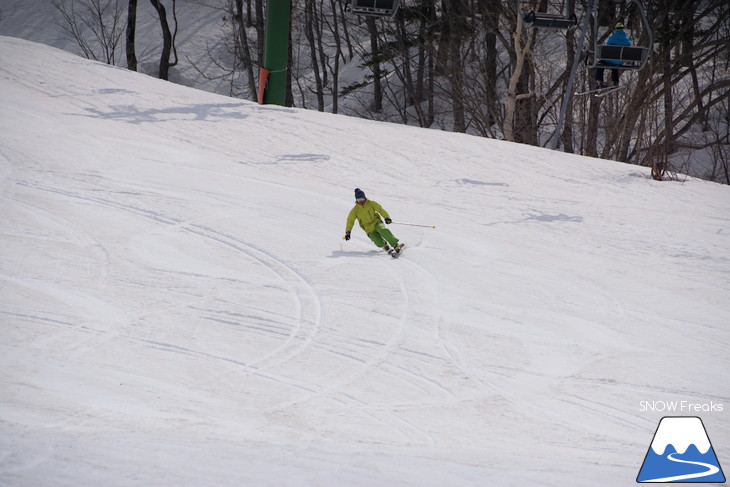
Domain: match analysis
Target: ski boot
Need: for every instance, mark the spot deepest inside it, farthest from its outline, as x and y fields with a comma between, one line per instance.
x=396, y=250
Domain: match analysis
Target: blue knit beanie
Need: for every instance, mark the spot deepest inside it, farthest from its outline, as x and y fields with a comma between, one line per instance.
x=359, y=193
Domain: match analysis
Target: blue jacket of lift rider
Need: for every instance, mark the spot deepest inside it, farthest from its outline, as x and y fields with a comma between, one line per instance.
x=618, y=38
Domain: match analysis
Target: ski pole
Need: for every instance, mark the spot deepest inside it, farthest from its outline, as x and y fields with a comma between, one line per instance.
x=414, y=225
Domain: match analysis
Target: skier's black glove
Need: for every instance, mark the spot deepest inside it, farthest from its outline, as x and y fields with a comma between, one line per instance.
x=388, y=221
x=347, y=235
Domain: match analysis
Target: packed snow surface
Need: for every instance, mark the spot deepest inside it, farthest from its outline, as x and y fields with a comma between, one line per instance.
x=178, y=307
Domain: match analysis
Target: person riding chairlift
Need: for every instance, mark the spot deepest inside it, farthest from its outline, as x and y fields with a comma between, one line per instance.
x=618, y=38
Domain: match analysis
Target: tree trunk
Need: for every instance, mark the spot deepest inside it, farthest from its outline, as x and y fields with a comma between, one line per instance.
x=567, y=135
x=525, y=115
x=166, y=39
x=260, y=30
x=131, y=31
x=375, y=65
x=242, y=47
x=338, y=55
x=491, y=12
x=310, y=18
x=456, y=33
x=591, y=137
x=521, y=50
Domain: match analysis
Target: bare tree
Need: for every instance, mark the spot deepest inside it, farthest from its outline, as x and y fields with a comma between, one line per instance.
x=242, y=48
x=131, y=34
x=168, y=38
x=95, y=25
x=314, y=39
x=520, y=54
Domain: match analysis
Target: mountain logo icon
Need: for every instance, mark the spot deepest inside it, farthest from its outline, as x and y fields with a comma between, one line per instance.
x=681, y=452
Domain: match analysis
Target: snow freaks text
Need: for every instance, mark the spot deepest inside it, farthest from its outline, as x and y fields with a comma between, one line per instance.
x=680, y=407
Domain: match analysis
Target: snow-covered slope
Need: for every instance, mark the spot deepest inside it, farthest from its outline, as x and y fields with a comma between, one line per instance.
x=177, y=306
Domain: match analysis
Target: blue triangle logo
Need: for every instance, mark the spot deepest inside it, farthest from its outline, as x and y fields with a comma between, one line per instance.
x=681, y=452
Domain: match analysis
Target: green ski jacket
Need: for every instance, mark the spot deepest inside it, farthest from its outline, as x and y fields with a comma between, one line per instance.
x=367, y=214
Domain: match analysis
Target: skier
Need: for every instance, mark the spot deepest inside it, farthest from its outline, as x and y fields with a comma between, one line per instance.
x=369, y=213
x=618, y=38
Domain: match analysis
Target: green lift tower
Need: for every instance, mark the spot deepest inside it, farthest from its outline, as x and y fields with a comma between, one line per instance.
x=272, y=76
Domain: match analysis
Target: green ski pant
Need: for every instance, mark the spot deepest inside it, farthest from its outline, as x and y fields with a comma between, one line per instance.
x=381, y=234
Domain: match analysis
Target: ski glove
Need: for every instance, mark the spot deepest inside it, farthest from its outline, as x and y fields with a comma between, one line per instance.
x=388, y=221
x=347, y=235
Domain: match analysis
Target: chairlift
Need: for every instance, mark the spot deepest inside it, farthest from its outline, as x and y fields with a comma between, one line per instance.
x=373, y=8
x=541, y=20
x=631, y=57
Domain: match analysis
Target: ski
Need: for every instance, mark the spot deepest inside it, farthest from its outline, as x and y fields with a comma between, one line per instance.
x=601, y=92
x=589, y=92
x=395, y=253
x=609, y=91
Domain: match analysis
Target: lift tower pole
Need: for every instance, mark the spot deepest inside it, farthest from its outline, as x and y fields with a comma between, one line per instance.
x=553, y=141
x=273, y=74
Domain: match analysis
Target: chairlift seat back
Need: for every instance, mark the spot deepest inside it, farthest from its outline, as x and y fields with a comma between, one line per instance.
x=634, y=57
x=549, y=21
x=374, y=8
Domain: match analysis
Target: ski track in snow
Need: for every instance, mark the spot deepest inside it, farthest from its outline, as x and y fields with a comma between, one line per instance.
x=299, y=337
x=302, y=334
x=305, y=294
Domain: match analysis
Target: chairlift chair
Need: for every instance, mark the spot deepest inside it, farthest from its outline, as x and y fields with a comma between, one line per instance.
x=374, y=8
x=631, y=57
x=541, y=20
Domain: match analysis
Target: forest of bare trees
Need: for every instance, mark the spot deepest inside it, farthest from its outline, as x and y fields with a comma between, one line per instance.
x=474, y=66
